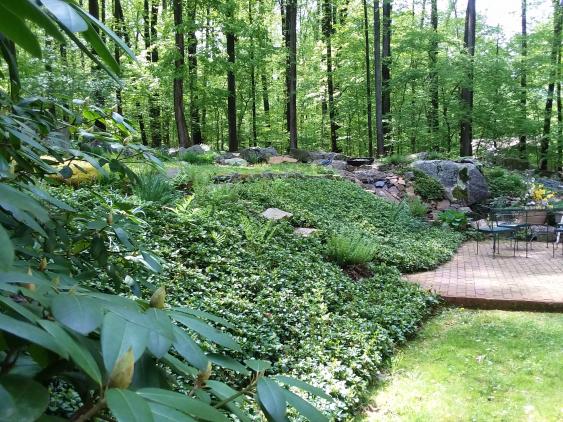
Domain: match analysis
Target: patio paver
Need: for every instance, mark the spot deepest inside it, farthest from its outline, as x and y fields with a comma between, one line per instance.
x=503, y=282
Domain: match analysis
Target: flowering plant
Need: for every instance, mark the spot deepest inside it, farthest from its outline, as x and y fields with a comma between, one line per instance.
x=539, y=195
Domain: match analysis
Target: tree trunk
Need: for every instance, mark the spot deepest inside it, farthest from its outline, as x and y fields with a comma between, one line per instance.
x=523, y=83
x=252, y=73
x=231, y=83
x=192, y=71
x=368, y=80
x=327, y=32
x=154, y=98
x=386, y=69
x=433, y=122
x=179, y=116
x=265, y=97
x=559, y=114
x=120, y=31
x=556, y=45
x=291, y=17
x=466, y=130
x=147, y=30
x=378, y=80
x=285, y=36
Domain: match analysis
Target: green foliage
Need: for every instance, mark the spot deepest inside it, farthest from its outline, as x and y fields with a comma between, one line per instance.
x=427, y=187
x=417, y=208
x=454, y=219
x=198, y=158
x=350, y=249
x=397, y=160
x=154, y=186
x=503, y=183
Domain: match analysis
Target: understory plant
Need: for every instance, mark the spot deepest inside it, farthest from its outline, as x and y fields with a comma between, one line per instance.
x=350, y=249
x=455, y=219
x=116, y=357
x=427, y=187
x=153, y=186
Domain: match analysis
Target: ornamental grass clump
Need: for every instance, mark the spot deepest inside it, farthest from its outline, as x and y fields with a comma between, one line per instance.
x=350, y=249
x=153, y=186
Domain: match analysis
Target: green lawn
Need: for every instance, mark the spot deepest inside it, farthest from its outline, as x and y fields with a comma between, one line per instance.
x=477, y=366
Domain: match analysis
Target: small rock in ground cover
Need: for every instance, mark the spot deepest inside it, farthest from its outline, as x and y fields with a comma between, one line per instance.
x=304, y=231
x=276, y=214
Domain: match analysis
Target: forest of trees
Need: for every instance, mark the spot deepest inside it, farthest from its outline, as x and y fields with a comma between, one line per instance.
x=357, y=76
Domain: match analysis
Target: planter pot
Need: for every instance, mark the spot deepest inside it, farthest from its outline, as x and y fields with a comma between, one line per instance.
x=533, y=217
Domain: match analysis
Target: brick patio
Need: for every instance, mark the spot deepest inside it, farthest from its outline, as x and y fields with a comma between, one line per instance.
x=503, y=282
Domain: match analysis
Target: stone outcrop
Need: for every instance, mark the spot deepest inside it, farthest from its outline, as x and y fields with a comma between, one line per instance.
x=463, y=182
x=257, y=154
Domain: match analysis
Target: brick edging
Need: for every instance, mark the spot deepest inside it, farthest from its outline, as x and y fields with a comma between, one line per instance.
x=504, y=304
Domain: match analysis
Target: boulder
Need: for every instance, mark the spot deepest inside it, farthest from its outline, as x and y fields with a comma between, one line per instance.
x=311, y=156
x=443, y=205
x=462, y=182
x=257, y=154
x=276, y=214
x=198, y=149
x=234, y=162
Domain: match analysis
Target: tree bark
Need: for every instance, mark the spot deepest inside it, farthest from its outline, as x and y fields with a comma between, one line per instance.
x=378, y=79
x=179, y=116
x=523, y=83
x=291, y=16
x=192, y=72
x=433, y=122
x=154, y=98
x=556, y=45
x=252, y=73
x=327, y=32
x=466, y=130
x=368, y=80
x=386, y=69
x=147, y=30
x=231, y=83
x=559, y=113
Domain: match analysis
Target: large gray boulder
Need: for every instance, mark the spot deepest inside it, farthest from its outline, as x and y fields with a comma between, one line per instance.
x=257, y=154
x=462, y=182
x=198, y=149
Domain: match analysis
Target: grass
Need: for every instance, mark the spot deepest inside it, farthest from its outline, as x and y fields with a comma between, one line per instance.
x=476, y=366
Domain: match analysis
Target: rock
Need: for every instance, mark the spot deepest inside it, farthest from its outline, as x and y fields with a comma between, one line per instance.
x=338, y=165
x=369, y=176
x=304, y=231
x=235, y=162
x=418, y=156
x=380, y=184
x=198, y=149
x=310, y=156
x=410, y=192
x=258, y=155
x=442, y=205
x=462, y=182
x=465, y=210
x=393, y=191
x=279, y=159
x=276, y=214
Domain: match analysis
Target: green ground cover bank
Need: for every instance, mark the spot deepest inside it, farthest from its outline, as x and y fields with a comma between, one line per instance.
x=476, y=366
x=286, y=302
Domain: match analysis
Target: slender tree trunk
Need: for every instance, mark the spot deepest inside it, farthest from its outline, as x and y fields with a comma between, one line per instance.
x=466, y=131
x=327, y=32
x=433, y=122
x=192, y=71
x=147, y=30
x=265, y=97
x=386, y=69
x=231, y=82
x=368, y=80
x=285, y=36
x=252, y=73
x=120, y=31
x=523, y=83
x=378, y=79
x=556, y=45
x=559, y=115
x=154, y=98
x=291, y=16
x=179, y=116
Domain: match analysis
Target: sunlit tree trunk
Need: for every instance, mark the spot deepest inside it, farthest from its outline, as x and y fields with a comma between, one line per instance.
x=386, y=69
x=433, y=122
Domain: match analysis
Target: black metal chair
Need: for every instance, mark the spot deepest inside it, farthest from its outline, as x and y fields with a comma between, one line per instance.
x=558, y=233
x=495, y=229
